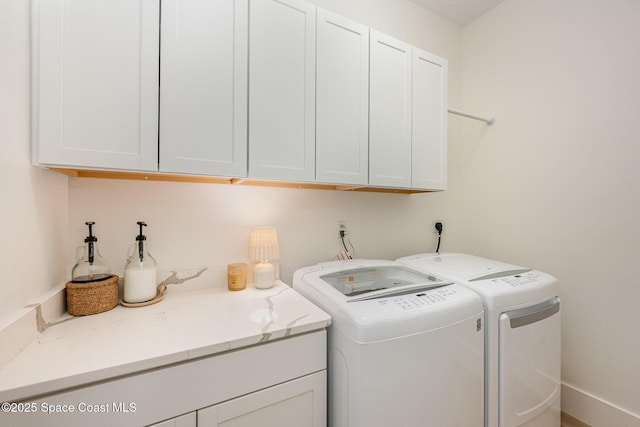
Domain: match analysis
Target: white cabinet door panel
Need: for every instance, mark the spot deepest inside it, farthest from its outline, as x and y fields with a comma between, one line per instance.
x=96, y=83
x=390, y=112
x=342, y=133
x=203, y=111
x=282, y=90
x=429, y=125
x=186, y=420
x=297, y=403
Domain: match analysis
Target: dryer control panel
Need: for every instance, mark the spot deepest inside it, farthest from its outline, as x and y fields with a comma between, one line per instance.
x=521, y=279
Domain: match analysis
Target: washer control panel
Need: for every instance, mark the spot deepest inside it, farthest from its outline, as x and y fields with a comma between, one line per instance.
x=419, y=300
x=417, y=304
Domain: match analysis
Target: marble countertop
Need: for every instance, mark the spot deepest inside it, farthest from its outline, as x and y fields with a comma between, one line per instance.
x=185, y=325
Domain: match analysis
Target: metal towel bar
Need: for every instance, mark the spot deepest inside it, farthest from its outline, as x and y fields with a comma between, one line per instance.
x=472, y=116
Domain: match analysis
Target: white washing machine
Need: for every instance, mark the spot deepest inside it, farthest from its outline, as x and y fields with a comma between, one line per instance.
x=522, y=312
x=405, y=348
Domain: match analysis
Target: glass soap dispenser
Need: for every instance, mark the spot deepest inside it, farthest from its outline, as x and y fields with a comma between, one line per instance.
x=90, y=266
x=140, y=272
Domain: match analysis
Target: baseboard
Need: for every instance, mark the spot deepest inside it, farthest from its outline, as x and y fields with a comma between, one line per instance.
x=567, y=420
x=595, y=411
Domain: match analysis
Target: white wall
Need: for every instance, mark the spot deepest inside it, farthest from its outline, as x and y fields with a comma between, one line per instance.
x=555, y=184
x=33, y=218
x=191, y=226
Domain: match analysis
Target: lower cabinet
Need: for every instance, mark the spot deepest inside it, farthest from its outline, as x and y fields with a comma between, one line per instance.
x=297, y=403
x=279, y=383
x=186, y=420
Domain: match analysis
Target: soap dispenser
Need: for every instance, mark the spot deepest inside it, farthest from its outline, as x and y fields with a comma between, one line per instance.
x=90, y=266
x=92, y=288
x=140, y=272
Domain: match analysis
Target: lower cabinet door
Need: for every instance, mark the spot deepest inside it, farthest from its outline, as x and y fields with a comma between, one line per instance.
x=186, y=420
x=297, y=403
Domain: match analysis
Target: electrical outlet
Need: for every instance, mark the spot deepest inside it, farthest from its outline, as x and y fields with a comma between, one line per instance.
x=342, y=228
x=435, y=221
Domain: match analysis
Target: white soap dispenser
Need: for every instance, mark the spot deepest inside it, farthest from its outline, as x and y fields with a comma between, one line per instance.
x=140, y=272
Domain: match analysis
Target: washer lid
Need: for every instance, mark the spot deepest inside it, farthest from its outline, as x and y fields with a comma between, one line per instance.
x=362, y=279
x=375, y=282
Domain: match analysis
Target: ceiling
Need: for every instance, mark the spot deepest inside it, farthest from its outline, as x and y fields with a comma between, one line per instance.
x=460, y=12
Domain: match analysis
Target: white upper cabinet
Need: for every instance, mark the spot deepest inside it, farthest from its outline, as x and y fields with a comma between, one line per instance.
x=390, y=112
x=203, y=79
x=429, y=125
x=282, y=39
x=408, y=139
x=265, y=89
x=95, y=83
x=342, y=103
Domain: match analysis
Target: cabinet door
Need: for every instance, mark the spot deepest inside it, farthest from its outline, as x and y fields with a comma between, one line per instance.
x=342, y=104
x=203, y=97
x=282, y=90
x=390, y=112
x=186, y=420
x=429, y=126
x=95, y=88
x=297, y=403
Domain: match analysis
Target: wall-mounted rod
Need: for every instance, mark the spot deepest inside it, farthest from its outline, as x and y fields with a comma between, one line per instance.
x=472, y=116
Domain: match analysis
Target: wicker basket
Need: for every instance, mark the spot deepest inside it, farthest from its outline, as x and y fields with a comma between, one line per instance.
x=92, y=297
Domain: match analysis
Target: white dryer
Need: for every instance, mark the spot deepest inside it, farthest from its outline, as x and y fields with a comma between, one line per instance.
x=405, y=348
x=522, y=312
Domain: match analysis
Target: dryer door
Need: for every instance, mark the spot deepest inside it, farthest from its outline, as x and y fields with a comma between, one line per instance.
x=530, y=366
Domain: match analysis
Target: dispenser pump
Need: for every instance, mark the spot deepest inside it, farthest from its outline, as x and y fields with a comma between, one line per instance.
x=140, y=239
x=90, y=266
x=90, y=240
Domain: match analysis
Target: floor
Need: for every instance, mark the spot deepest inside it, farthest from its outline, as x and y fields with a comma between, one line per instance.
x=569, y=421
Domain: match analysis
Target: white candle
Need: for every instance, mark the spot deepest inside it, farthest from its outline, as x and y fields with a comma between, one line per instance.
x=139, y=284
